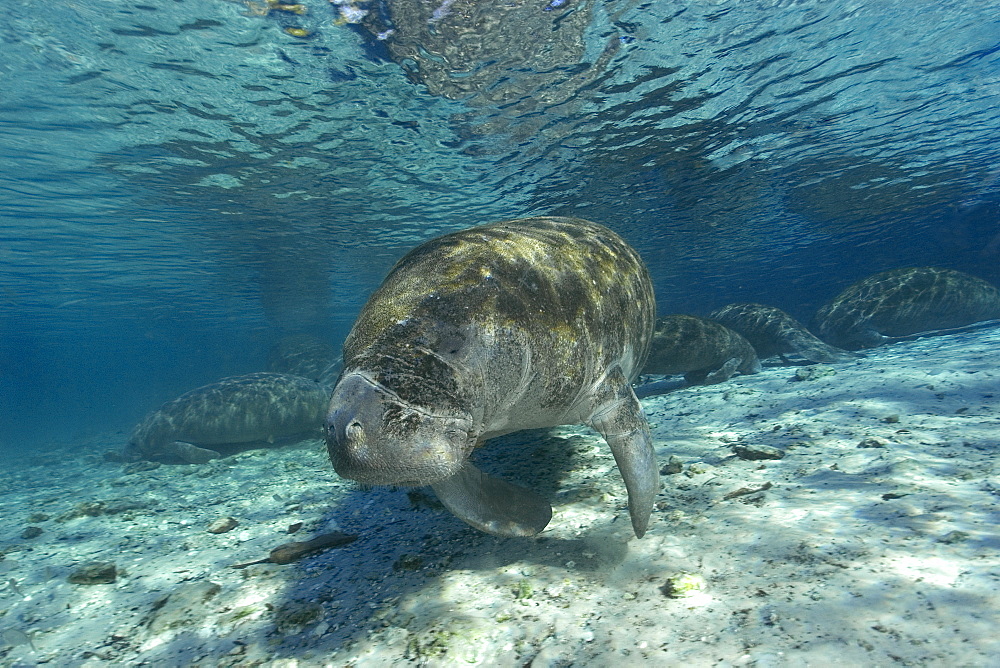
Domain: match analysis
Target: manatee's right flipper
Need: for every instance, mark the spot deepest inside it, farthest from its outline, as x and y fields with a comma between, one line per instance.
x=192, y=454
x=493, y=505
x=618, y=417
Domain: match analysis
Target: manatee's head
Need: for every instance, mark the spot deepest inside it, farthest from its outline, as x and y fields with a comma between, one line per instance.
x=376, y=437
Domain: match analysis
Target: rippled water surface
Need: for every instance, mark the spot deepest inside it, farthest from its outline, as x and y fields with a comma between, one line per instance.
x=182, y=182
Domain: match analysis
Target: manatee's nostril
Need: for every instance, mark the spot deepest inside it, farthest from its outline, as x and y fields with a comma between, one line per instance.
x=354, y=431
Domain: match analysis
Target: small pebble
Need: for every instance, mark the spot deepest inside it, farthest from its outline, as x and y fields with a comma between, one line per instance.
x=222, y=525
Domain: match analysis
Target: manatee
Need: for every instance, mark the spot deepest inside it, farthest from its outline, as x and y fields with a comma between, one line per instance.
x=520, y=324
x=772, y=332
x=703, y=350
x=232, y=413
x=901, y=302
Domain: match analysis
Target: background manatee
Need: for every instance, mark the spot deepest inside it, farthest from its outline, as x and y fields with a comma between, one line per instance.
x=772, y=332
x=900, y=302
x=238, y=411
x=702, y=349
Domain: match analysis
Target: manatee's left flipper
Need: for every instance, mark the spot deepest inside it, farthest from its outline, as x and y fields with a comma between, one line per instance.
x=720, y=375
x=192, y=454
x=493, y=505
x=618, y=417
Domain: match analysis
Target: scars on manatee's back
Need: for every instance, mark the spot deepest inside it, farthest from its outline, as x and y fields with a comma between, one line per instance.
x=520, y=324
x=900, y=302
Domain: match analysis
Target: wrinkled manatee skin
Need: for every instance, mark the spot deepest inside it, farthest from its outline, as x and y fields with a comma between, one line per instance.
x=515, y=325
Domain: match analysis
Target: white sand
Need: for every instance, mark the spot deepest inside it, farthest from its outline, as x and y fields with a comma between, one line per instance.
x=853, y=556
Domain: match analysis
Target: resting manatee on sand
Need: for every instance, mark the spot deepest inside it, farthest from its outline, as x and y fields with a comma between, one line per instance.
x=772, y=332
x=232, y=413
x=705, y=351
x=520, y=324
x=900, y=302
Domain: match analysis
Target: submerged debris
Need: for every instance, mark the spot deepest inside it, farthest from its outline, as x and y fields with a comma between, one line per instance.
x=744, y=491
x=291, y=552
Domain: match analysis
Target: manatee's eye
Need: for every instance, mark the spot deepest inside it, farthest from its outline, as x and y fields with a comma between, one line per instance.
x=354, y=431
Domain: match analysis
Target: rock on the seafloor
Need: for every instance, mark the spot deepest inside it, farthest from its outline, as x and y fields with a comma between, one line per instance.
x=31, y=532
x=682, y=585
x=754, y=452
x=222, y=525
x=94, y=572
x=182, y=607
x=673, y=466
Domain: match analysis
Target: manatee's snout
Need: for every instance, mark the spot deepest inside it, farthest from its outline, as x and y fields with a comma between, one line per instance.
x=373, y=437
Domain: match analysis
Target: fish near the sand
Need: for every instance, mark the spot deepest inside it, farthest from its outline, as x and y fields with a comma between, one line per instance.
x=234, y=412
x=900, y=302
x=772, y=332
x=520, y=324
x=705, y=351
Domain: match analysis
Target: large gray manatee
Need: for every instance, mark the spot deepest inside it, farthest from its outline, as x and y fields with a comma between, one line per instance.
x=232, y=413
x=520, y=324
x=900, y=302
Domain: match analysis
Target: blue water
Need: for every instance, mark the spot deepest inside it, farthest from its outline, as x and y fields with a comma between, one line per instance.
x=183, y=182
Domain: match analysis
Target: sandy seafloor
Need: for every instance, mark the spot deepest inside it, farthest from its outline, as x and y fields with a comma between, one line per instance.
x=877, y=555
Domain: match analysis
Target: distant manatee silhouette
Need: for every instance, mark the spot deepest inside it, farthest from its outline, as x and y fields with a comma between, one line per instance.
x=703, y=350
x=257, y=408
x=901, y=302
x=772, y=332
